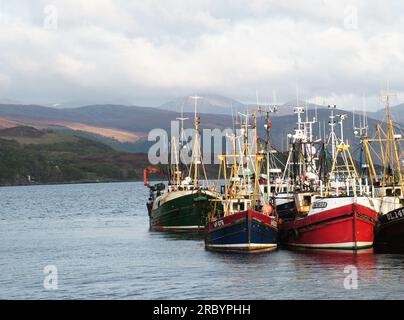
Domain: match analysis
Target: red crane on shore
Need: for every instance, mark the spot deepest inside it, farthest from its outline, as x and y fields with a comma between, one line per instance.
x=147, y=170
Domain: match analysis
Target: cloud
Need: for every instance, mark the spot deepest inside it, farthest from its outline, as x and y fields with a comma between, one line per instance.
x=148, y=51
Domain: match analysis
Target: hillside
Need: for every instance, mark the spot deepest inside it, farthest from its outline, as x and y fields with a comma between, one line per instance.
x=22, y=132
x=122, y=127
x=397, y=113
x=4, y=123
x=30, y=156
x=125, y=128
x=129, y=118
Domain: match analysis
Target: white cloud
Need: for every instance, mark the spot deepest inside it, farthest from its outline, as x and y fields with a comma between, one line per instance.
x=151, y=50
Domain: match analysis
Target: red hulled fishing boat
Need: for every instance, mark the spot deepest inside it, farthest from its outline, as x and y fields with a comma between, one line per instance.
x=340, y=216
x=334, y=223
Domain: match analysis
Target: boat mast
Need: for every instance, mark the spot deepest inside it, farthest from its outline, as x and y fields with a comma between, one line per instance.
x=182, y=119
x=361, y=132
x=332, y=136
x=268, y=126
x=236, y=188
x=181, y=140
x=245, y=147
x=341, y=118
x=176, y=175
x=344, y=167
x=389, y=151
x=391, y=156
x=196, y=149
x=258, y=158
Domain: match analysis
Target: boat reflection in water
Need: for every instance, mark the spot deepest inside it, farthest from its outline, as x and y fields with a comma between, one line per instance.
x=196, y=236
x=339, y=264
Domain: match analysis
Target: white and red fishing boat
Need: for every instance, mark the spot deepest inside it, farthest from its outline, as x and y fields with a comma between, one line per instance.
x=341, y=216
x=334, y=223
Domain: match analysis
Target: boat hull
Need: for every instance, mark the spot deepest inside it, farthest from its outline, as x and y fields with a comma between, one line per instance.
x=346, y=227
x=183, y=212
x=390, y=230
x=244, y=231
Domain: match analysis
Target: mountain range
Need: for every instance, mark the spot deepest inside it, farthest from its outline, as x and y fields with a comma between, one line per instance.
x=212, y=103
x=41, y=144
x=126, y=128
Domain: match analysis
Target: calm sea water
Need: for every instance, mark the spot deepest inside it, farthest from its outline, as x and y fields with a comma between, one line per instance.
x=97, y=237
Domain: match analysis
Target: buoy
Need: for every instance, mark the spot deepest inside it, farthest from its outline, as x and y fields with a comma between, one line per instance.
x=233, y=192
x=267, y=209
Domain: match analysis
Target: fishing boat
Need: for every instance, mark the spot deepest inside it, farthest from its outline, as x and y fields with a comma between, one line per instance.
x=242, y=221
x=388, y=182
x=341, y=216
x=179, y=207
x=334, y=223
x=390, y=230
x=182, y=205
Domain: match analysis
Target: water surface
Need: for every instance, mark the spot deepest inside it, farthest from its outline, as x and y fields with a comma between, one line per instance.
x=97, y=236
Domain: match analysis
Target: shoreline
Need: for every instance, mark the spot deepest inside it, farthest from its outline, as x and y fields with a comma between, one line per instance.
x=67, y=182
x=78, y=182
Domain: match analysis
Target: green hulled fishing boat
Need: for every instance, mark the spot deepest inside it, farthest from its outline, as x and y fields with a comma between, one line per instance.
x=182, y=209
x=182, y=205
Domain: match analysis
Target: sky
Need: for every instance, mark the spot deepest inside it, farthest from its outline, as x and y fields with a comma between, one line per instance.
x=146, y=52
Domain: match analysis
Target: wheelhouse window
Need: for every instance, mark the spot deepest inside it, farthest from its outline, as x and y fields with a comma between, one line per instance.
x=306, y=200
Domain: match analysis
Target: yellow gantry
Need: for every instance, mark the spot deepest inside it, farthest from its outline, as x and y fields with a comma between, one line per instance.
x=234, y=189
x=389, y=145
